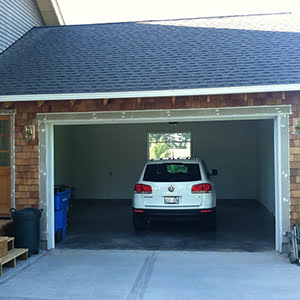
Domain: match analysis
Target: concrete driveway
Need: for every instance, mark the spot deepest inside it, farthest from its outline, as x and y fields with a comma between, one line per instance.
x=138, y=274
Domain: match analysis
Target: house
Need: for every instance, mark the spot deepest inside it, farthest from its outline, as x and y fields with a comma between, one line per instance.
x=18, y=17
x=77, y=103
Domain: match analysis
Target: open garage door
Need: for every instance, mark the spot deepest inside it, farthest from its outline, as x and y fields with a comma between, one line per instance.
x=102, y=162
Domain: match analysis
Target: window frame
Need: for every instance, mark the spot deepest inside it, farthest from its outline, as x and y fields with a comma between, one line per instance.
x=166, y=132
x=8, y=151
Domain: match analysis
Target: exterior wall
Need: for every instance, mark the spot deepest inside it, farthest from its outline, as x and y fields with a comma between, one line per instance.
x=294, y=161
x=26, y=155
x=17, y=17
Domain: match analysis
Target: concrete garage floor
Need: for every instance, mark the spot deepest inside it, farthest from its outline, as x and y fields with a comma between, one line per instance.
x=242, y=225
x=138, y=274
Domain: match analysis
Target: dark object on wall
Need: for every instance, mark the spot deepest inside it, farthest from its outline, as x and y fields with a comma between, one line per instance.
x=27, y=228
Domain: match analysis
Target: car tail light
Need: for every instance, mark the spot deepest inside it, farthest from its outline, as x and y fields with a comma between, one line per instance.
x=143, y=188
x=201, y=188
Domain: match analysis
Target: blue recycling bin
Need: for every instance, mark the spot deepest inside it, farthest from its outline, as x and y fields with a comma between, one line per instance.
x=61, y=203
x=62, y=199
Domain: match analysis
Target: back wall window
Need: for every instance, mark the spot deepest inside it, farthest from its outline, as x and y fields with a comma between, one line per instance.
x=169, y=145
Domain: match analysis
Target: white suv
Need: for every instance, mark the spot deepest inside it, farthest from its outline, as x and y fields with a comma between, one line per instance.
x=174, y=187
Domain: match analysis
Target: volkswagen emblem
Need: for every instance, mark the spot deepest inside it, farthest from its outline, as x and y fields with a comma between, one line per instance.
x=171, y=188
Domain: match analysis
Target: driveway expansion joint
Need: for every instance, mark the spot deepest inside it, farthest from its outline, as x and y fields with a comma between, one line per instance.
x=142, y=278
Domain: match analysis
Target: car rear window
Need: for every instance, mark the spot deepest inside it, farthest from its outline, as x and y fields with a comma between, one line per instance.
x=168, y=172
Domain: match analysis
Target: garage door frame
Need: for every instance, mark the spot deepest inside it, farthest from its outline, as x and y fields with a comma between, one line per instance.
x=280, y=115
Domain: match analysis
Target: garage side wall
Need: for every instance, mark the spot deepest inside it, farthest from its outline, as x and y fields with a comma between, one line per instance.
x=265, y=165
x=27, y=154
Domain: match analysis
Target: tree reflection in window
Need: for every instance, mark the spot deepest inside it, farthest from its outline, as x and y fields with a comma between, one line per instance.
x=169, y=145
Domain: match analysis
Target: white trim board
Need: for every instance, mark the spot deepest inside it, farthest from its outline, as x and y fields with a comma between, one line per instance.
x=280, y=115
x=165, y=115
x=153, y=93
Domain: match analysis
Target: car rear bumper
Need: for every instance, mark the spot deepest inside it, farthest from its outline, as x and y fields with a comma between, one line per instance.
x=175, y=212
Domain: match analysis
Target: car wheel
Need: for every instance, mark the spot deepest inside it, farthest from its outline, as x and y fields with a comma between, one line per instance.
x=212, y=222
x=212, y=225
x=139, y=222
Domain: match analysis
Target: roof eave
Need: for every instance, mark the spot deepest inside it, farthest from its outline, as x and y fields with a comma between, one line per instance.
x=51, y=12
x=153, y=93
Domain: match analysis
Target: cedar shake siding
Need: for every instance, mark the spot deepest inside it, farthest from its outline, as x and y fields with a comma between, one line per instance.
x=27, y=154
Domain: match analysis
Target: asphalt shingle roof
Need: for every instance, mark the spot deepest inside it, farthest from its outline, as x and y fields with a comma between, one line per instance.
x=154, y=55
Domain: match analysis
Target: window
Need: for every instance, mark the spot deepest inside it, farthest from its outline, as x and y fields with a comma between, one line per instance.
x=169, y=145
x=4, y=141
x=169, y=172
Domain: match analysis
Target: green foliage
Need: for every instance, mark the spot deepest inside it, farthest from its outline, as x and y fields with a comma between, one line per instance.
x=177, y=168
x=159, y=150
x=176, y=140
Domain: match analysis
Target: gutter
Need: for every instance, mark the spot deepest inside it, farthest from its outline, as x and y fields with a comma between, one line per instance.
x=153, y=93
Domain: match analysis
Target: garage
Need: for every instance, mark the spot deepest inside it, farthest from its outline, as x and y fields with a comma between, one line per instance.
x=102, y=161
x=86, y=101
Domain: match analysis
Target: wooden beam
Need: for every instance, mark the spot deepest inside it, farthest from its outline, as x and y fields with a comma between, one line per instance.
x=173, y=100
x=105, y=101
x=283, y=96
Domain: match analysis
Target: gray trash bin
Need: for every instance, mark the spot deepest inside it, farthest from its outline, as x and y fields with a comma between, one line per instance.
x=27, y=228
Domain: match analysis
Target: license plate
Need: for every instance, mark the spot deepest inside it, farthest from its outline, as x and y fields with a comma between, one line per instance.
x=171, y=200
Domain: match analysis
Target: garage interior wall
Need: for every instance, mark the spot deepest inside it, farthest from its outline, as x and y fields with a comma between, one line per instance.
x=265, y=165
x=105, y=161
